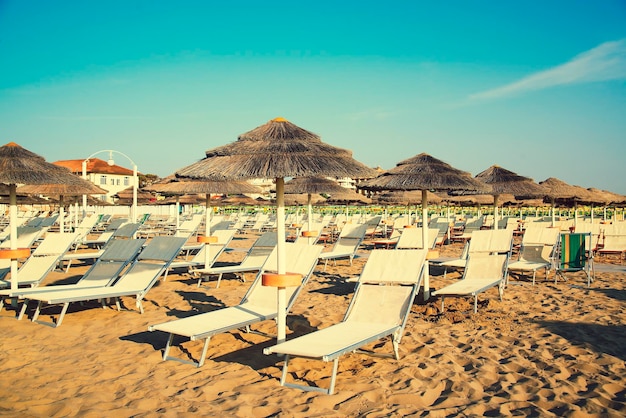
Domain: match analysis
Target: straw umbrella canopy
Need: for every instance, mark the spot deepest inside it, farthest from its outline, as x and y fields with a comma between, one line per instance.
x=277, y=149
x=505, y=181
x=59, y=191
x=20, y=166
x=559, y=192
x=424, y=172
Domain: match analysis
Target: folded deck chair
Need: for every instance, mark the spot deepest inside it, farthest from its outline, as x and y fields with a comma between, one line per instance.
x=253, y=261
x=258, y=304
x=144, y=272
x=125, y=231
x=42, y=260
x=223, y=236
x=411, y=238
x=482, y=272
x=380, y=308
x=488, y=241
x=575, y=255
x=347, y=243
x=537, y=251
x=106, y=269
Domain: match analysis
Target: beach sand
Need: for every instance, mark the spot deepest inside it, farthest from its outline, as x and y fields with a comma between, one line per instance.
x=545, y=350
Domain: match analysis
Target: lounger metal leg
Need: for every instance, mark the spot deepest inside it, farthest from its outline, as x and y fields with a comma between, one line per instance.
x=442, y=306
x=333, y=377
x=205, y=348
x=23, y=310
x=37, y=310
x=219, y=280
x=62, y=315
x=168, y=345
x=475, y=303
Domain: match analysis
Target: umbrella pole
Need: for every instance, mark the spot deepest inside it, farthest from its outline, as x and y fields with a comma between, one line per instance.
x=177, y=214
x=207, y=231
x=61, y=215
x=424, y=241
x=495, y=211
x=309, y=210
x=281, y=318
x=13, y=231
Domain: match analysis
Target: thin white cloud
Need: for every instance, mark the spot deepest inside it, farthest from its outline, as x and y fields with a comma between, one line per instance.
x=605, y=62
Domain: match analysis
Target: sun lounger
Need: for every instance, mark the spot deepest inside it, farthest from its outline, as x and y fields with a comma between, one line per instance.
x=107, y=234
x=125, y=231
x=26, y=237
x=106, y=269
x=482, y=272
x=223, y=236
x=136, y=281
x=42, y=260
x=347, y=244
x=489, y=241
x=380, y=308
x=259, y=304
x=537, y=251
x=253, y=261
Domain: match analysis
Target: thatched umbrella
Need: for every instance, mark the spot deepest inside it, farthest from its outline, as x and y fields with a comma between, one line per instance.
x=423, y=172
x=505, y=181
x=559, y=192
x=20, y=166
x=277, y=149
x=403, y=198
x=59, y=191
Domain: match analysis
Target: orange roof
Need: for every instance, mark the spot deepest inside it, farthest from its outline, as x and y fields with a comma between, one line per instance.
x=94, y=165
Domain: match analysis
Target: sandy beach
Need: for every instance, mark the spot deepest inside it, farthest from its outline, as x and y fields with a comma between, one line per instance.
x=545, y=350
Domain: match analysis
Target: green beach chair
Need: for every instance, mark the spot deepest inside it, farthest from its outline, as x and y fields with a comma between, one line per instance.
x=575, y=255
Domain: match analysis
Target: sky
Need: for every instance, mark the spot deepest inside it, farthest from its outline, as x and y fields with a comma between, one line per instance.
x=536, y=87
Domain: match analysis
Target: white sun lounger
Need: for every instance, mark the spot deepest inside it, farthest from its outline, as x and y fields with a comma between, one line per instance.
x=253, y=261
x=223, y=236
x=482, y=272
x=259, y=304
x=136, y=281
x=380, y=308
x=347, y=244
x=411, y=238
x=537, y=251
x=42, y=260
x=106, y=269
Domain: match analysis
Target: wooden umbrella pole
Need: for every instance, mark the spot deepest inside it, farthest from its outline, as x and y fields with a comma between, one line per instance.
x=424, y=241
x=281, y=318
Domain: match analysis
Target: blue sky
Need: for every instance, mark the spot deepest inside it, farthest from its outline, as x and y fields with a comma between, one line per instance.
x=537, y=87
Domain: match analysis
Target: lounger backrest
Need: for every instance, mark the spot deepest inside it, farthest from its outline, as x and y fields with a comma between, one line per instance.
x=491, y=241
x=162, y=248
x=126, y=231
x=150, y=263
x=412, y=238
x=223, y=238
x=541, y=235
x=267, y=239
x=374, y=304
x=483, y=266
x=614, y=243
x=573, y=251
x=115, y=224
x=353, y=231
x=385, y=266
x=26, y=236
x=256, y=256
x=102, y=274
x=55, y=243
x=121, y=250
x=536, y=253
x=300, y=258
